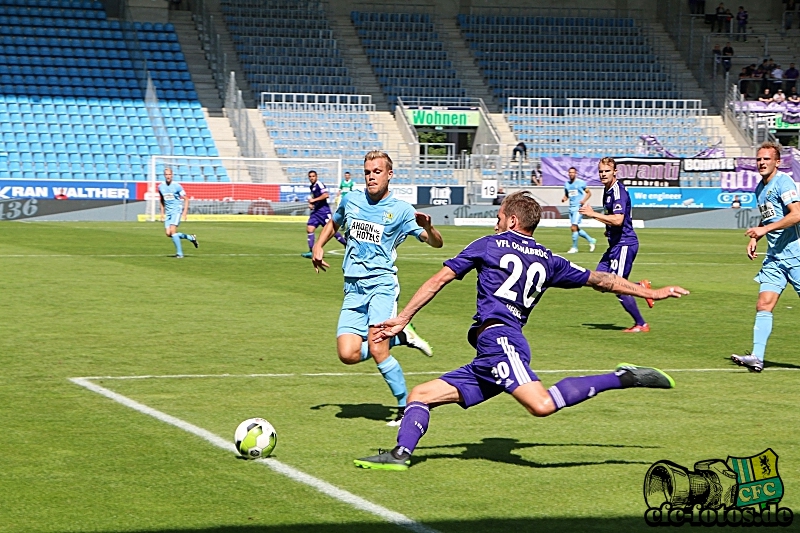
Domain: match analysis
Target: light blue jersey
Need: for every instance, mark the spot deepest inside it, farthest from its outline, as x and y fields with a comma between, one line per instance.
x=575, y=191
x=773, y=202
x=374, y=231
x=172, y=195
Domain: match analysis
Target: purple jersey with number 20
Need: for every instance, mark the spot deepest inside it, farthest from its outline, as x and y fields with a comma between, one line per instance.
x=513, y=273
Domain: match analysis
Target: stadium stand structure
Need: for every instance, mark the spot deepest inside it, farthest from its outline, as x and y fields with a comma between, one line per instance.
x=565, y=57
x=72, y=106
x=336, y=126
x=286, y=47
x=407, y=55
x=595, y=128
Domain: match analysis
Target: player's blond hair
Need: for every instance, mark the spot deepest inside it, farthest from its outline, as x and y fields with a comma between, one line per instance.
x=525, y=207
x=378, y=154
x=608, y=161
x=769, y=145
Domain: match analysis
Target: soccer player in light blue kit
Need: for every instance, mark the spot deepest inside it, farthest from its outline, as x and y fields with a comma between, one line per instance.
x=376, y=223
x=174, y=206
x=514, y=271
x=779, y=204
x=578, y=193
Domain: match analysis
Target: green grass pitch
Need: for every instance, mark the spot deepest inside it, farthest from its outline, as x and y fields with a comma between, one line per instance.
x=104, y=299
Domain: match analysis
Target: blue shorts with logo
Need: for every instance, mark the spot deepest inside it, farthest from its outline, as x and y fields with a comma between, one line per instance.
x=367, y=301
x=320, y=217
x=172, y=219
x=574, y=216
x=618, y=259
x=776, y=274
x=501, y=365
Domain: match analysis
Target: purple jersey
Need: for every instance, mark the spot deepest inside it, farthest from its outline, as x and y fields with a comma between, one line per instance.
x=513, y=273
x=317, y=190
x=616, y=201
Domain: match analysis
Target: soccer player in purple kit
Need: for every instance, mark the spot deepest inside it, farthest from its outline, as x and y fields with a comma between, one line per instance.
x=623, y=244
x=320, y=211
x=514, y=271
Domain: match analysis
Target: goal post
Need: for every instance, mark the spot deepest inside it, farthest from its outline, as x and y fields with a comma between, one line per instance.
x=241, y=185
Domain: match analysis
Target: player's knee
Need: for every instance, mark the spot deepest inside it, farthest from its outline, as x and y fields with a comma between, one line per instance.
x=418, y=394
x=350, y=357
x=541, y=409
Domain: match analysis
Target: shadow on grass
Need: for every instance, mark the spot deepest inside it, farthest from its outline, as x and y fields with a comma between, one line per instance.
x=488, y=525
x=501, y=450
x=370, y=411
x=610, y=327
x=767, y=364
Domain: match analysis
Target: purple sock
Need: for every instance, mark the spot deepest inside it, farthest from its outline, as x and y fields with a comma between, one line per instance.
x=629, y=304
x=340, y=238
x=571, y=391
x=413, y=426
x=310, y=241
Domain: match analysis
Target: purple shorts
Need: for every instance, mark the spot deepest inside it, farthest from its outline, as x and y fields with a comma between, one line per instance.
x=501, y=365
x=320, y=217
x=618, y=259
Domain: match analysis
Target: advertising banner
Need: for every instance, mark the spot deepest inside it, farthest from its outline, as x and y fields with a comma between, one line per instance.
x=632, y=171
x=444, y=117
x=440, y=195
x=649, y=171
x=689, y=197
x=708, y=164
x=67, y=190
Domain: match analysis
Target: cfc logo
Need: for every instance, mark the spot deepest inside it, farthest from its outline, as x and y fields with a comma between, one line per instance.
x=728, y=197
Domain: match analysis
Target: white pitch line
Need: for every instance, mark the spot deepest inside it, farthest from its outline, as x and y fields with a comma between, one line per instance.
x=286, y=470
x=432, y=372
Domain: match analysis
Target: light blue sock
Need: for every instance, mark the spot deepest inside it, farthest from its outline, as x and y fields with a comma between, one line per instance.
x=182, y=235
x=762, y=329
x=574, y=239
x=177, y=241
x=393, y=375
x=585, y=235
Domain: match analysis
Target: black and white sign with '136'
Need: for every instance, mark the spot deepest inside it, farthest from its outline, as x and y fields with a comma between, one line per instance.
x=14, y=209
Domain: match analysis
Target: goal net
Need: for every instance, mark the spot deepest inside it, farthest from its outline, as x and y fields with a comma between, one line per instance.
x=242, y=186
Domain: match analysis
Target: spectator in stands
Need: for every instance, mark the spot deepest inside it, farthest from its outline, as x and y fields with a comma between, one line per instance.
x=790, y=76
x=536, y=176
x=741, y=23
x=175, y=4
x=736, y=203
x=694, y=7
x=719, y=19
x=728, y=21
x=791, y=6
x=793, y=98
x=766, y=97
x=727, y=55
x=762, y=72
x=522, y=150
x=779, y=97
x=717, y=56
x=777, y=78
x=501, y=195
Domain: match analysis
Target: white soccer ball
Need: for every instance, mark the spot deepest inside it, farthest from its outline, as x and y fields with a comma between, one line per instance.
x=255, y=438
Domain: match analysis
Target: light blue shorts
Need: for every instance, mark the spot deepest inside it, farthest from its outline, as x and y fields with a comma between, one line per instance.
x=775, y=275
x=367, y=301
x=173, y=219
x=575, y=217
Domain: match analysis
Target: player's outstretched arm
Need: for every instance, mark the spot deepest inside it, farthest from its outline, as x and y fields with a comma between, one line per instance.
x=608, y=282
x=430, y=234
x=317, y=253
x=424, y=294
